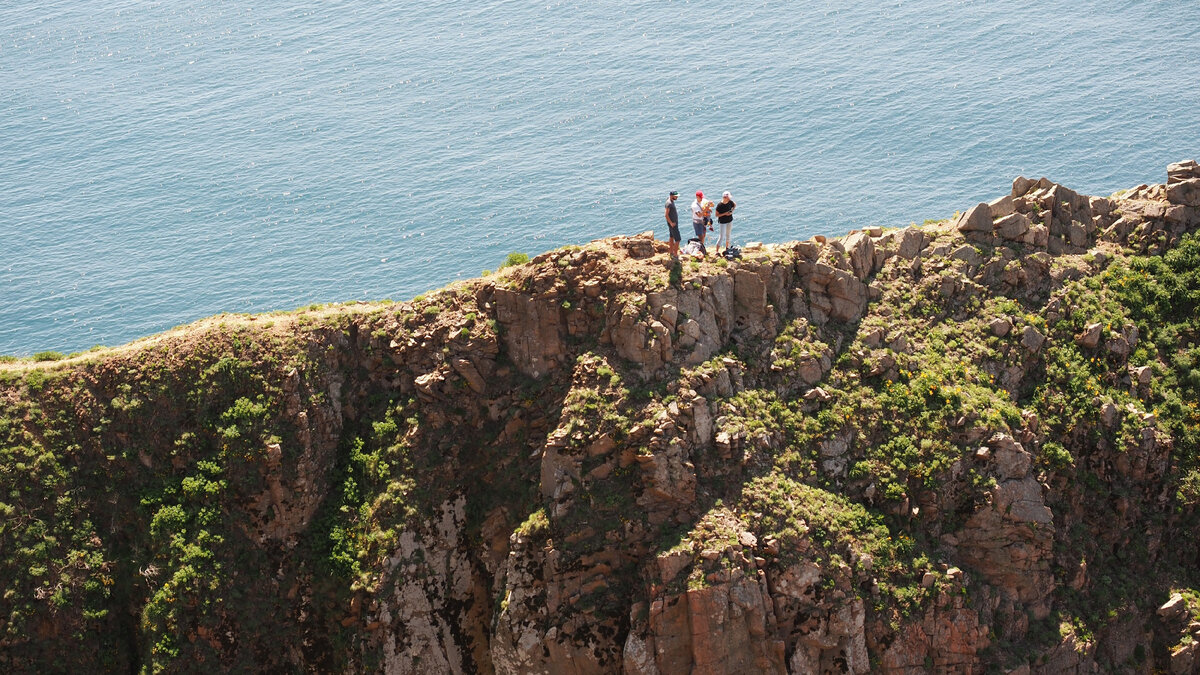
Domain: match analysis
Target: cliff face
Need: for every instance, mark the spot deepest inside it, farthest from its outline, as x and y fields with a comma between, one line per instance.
x=966, y=446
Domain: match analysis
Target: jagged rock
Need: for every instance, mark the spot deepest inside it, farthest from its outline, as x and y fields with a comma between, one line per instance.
x=749, y=293
x=1185, y=192
x=1181, y=171
x=810, y=371
x=975, y=222
x=1185, y=659
x=1173, y=608
x=1011, y=459
x=429, y=382
x=1001, y=207
x=469, y=373
x=598, y=577
x=817, y=394
x=912, y=240
x=1013, y=226
x=1021, y=186
x=1118, y=346
x=967, y=254
x=860, y=248
x=1141, y=375
x=1038, y=236
x=836, y=645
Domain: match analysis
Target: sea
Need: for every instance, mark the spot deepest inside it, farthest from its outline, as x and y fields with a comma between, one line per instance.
x=162, y=161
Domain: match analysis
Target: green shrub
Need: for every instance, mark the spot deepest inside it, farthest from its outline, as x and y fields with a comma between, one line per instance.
x=49, y=356
x=515, y=258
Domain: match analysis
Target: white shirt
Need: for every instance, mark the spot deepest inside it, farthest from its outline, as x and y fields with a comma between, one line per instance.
x=696, y=217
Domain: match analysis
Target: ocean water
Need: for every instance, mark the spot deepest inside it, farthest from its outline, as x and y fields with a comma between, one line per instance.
x=164, y=161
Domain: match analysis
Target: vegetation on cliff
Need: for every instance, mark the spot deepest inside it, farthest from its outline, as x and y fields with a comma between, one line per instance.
x=972, y=445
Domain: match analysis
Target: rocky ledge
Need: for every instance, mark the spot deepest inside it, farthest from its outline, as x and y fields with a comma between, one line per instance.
x=967, y=446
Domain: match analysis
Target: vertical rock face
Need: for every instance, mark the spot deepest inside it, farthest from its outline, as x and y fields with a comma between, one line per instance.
x=929, y=449
x=532, y=331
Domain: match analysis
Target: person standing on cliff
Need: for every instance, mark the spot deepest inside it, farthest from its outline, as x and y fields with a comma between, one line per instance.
x=725, y=209
x=699, y=224
x=673, y=223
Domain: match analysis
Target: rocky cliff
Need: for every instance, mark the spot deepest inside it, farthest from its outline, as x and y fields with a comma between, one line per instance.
x=967, y=446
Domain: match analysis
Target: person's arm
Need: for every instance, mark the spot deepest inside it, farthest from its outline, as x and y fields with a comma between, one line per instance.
x=667, y=214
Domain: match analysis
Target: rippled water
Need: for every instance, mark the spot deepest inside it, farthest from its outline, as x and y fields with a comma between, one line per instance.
x=160, y=162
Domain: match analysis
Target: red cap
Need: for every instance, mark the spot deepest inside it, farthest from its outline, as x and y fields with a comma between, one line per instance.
x=699, y=193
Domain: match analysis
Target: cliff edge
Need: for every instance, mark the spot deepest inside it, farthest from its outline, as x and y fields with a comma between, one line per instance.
x=968, y=446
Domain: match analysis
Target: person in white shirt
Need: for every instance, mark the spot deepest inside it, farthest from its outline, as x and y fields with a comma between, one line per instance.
x=699, y=217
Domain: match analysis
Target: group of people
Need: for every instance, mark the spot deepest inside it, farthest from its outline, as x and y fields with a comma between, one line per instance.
x=703, y=211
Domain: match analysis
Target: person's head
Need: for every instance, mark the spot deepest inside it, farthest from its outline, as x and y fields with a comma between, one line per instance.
x=674, y=195
x=699, y=196
x=725, y=196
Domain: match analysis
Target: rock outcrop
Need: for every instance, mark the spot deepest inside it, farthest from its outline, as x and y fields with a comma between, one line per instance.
x=961, y=447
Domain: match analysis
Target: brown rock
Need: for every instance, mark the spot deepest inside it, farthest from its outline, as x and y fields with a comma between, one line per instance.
x=470, y=373
x=1004, y=206
x=1032, y=339
x=1173, y=608
x=1090, y=337
x=1013, y=226
x=1185, y=192
x=1021, y=186
x=1181, y=171
x=1038, y=235
x=532, y=330
x=860, y=248
x=977, y=219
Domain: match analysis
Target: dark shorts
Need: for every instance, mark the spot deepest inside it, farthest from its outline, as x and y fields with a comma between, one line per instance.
x=698, y=226
x=673, y=231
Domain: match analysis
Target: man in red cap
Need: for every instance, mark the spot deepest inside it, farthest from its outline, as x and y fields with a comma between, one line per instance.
x=699, y=217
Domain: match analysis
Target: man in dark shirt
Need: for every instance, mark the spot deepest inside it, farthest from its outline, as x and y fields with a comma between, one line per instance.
x=724, y=220
x=673, y=223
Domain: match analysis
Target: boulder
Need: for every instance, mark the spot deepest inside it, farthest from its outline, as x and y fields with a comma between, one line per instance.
x=1181, y=171
x=1021, y=186
x=1038, y=235
x=1141, y=375
x=1013, y=226
x=1090, y=337
x=967, y=254
x=860, y=248
x=750, y=293
x=912, y=240
x=1077, y=235
x=470, y=373
x=1002, y=207
x=1000, y=326
x=1011, y=459
x=1173, y=608
x=977, y=220
x=1108, y=414
x=1032, y=339
x=1021, y=501
x=1185, y=192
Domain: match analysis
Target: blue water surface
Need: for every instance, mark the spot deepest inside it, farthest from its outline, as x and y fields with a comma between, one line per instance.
x=164, y=161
